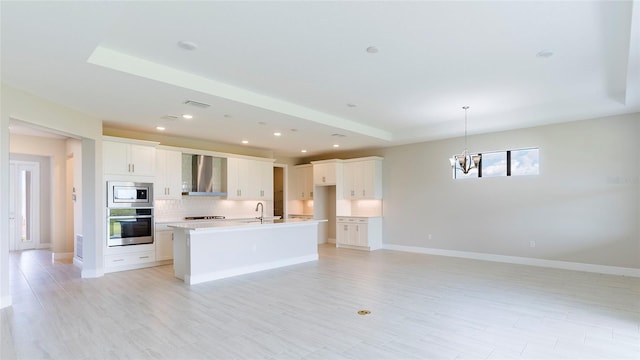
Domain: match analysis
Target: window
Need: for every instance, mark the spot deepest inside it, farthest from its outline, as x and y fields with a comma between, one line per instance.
x=493, y=164
x=504, y=163
x=524, y=162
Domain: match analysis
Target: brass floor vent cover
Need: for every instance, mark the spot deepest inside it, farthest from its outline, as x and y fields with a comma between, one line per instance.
x=364, y=312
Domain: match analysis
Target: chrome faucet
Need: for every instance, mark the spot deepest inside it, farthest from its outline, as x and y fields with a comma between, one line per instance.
x=259, y=205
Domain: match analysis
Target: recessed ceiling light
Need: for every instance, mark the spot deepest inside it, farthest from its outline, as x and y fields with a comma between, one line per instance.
x=351, y=105
x=245, y=141
x=160, y=128
x=372, y=50
x=277, y=134
x=544, y=54
x=336, y=145
x=303, y=150
x=187, y=45
x=187, y=116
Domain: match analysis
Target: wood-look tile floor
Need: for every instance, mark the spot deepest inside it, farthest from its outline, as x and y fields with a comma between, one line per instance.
x=422, y=307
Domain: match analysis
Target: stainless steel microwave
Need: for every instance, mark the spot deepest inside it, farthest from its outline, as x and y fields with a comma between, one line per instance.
x=124, y=194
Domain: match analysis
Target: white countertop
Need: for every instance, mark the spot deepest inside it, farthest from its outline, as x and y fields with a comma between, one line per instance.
x=358, y=216
x=239, y=224
x=244, y=219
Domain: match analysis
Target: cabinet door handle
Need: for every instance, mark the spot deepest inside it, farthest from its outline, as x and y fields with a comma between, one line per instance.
x=133, y=168
x=324, y=179
x=363, y=193
x=116, y=260
x=144, y=257
x=345, y=228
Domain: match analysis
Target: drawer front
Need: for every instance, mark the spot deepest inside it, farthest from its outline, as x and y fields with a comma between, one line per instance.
x=352, y=220
x=130, y=259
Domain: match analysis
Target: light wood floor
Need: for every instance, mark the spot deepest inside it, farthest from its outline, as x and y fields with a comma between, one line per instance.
x=422, y=307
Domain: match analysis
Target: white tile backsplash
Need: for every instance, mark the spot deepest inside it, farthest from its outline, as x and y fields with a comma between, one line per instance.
x=175, y=210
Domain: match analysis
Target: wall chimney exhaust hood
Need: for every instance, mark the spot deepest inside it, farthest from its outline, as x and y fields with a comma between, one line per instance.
x=204, y=175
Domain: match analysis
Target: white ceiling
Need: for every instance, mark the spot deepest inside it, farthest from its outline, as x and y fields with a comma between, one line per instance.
x=284, y=66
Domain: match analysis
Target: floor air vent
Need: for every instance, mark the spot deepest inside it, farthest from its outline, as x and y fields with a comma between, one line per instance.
x=79, y=246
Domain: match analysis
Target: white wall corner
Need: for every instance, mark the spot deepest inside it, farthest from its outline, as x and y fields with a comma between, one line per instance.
x=91, y=273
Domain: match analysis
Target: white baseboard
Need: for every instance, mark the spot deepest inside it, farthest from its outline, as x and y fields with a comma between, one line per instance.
x=5, y=301
x=61, y=256
x=43, y=246
x=77, y=262
x=88, y=274
x=556, y=264
x=196, y=279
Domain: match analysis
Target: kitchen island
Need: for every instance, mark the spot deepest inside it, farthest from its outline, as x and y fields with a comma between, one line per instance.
x=206, y=251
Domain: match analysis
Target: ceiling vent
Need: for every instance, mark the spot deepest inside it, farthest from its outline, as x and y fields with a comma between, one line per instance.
x=197, y=104
x=169, y=117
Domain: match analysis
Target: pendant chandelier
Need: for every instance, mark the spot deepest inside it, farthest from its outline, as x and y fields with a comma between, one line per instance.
x=465, y=160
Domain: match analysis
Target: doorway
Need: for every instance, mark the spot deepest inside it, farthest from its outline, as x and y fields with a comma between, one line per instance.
x=24, y=205
x=279, y=187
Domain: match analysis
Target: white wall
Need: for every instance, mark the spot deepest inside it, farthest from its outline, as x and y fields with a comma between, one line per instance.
x=583, y=207
x=74, y=149
x=5, y=295
x=20, y=106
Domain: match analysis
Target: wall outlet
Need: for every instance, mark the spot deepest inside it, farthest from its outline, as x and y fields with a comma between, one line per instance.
x=532, y=243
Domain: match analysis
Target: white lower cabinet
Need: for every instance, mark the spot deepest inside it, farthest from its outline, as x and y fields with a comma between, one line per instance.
x=127, y=259
x=359, y=232
x=164, y=243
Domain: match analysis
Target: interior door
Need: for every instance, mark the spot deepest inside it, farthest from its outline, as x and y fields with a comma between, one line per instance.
x=24, y=206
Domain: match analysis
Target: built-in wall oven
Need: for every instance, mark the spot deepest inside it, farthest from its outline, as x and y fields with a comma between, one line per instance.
x=130, y=213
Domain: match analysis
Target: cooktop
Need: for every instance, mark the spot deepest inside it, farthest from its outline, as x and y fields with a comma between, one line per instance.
x=214, y=217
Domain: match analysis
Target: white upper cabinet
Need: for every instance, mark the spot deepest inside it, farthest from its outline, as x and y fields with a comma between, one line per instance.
x=327, y=172
x=237, y=178
x=363, y=178
x=262, y=180
x=249, y=179
x=168, y=184
x=131, y=159
x=302, y=182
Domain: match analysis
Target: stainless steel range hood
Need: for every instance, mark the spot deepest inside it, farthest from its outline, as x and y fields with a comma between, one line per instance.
x=205, y=174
